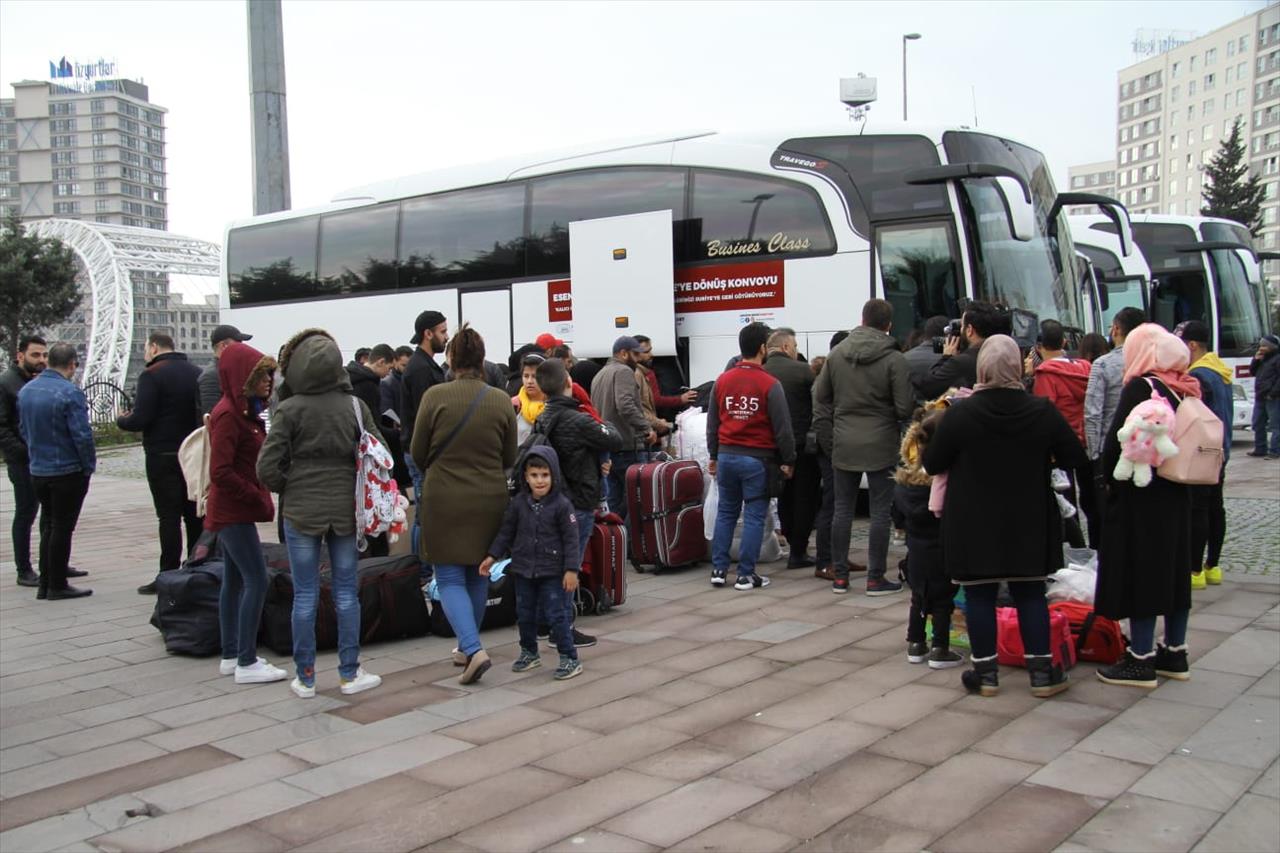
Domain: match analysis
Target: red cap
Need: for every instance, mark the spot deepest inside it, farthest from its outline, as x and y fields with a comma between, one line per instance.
x=546, y=341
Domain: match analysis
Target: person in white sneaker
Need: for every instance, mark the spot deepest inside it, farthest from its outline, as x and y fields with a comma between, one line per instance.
x=309, y=458
x=237, y=502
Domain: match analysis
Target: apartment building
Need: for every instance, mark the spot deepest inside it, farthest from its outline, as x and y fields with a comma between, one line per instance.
x=1098, y=178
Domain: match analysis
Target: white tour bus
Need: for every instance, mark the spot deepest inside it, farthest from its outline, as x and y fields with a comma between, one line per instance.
x=1122, y=280
x=1199, y=268
x=684, y=239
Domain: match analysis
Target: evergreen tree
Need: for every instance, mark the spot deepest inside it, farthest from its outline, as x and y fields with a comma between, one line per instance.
x=1232, y=193
x=37, y=284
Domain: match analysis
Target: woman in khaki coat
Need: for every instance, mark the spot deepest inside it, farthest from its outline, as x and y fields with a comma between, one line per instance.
x=464, y=440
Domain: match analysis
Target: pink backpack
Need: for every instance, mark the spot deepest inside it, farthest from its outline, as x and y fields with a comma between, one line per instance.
x=1198, y=433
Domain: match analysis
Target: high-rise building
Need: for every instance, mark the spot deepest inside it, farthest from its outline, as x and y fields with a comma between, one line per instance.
x=1175, y=108
x=1097, y=178
x=93, y=148
x=97, y=155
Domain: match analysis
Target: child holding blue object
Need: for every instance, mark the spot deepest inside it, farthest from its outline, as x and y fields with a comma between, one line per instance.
x=540, y=532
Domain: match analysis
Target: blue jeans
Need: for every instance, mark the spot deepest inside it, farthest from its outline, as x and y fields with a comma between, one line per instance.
x=415, y=530
x=743, y=485
x=880, y=484
x=1143, y=629
x=304, y=562
x=244, y=589
x=545, y=595
x=617, y=481
x=1266, y=419
x=463, y=594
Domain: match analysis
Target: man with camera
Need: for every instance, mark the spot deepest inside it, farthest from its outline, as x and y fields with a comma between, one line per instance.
x=958, y=367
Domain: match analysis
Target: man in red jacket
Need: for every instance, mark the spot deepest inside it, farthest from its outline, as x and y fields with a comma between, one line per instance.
x=1063, y=381
x=748, y=434
x=1060, y=378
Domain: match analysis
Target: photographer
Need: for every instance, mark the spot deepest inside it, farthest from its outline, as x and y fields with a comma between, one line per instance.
x=958, y=367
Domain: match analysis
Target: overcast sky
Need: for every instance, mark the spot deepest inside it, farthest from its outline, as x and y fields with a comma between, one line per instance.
x=380, y=89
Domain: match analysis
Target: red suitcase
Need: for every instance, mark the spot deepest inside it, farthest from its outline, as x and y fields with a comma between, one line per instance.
x=603, y=582
x=664, y=513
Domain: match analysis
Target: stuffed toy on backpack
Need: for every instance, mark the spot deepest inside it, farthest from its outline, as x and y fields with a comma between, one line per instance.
x=1145, y=441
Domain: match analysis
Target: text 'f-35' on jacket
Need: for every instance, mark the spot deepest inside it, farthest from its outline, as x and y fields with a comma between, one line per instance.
x=748, y=415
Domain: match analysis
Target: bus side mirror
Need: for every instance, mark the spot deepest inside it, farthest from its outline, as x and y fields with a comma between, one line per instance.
x=1114, y=210
x=1022, y=216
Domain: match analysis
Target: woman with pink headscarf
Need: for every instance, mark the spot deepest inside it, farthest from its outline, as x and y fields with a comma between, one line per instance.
x=1000, y=521
x=1145, y=562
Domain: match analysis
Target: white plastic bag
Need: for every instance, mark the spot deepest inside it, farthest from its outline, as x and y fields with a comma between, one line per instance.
x=1080, y=558
x=1072, y=585
x=770, y=547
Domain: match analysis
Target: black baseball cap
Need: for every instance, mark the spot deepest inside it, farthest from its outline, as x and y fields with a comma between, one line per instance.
x=227, y=333
x=426, y=320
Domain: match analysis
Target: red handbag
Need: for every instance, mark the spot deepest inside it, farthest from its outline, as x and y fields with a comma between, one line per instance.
x=1097, y=638
x=1009, y=648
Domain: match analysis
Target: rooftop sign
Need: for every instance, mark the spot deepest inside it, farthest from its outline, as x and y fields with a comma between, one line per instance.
x=81, y=76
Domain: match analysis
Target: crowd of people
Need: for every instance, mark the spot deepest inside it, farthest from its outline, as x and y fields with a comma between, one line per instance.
x=980, y=454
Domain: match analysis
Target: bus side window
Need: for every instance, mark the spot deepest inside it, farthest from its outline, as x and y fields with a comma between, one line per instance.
x=919, y=271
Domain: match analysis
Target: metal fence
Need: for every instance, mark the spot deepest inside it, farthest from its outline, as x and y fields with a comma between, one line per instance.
x=106, y=399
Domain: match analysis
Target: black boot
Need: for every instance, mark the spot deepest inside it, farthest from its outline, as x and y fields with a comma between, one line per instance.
x=984, y=678
x=1047, y=677
x=1172, y=662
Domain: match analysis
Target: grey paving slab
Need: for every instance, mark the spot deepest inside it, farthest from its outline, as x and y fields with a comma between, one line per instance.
x=72, y=767
x=208, y=818
x=369, y=737
x=220, y=781
x=780, y=632
x=1194, y=781
x=1246, y=732
x=1133, y=822
x=1268, y=784
x=374, y=764
x=599, y=841
x=955, y=789
x=1045, y=732
x=1028, y=817
x=1148, y=731
x=1250, y=826
x=803, y=754
x=1207, y=688
x=685, y=811
x=1249, y=652
x=1089, y=774
x=863, y=832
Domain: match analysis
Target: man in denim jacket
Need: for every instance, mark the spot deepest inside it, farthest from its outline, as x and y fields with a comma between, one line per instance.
x=53, y=417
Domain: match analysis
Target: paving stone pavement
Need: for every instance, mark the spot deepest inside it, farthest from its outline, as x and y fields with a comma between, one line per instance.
x=777, y=719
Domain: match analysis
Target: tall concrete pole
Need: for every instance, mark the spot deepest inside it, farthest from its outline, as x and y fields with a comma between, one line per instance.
x=270, y=119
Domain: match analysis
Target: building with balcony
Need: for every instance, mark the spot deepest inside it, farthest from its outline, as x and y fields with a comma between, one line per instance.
x=1175, y=109
x=1096, y=178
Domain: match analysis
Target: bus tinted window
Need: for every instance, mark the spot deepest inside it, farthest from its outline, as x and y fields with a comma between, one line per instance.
x=558, y=200
x=740, y=216
x=920, y=273
x=1226, y=232
x=272, y=261
x=472, y=235
x=1180, y=289
x=1105, y=263
x=358, y=250
x=875, y=164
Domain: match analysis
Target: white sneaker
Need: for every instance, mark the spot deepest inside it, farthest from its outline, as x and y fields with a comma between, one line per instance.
x=260, y=673
x=362, y=682
x=301, y=690
x=227, y=666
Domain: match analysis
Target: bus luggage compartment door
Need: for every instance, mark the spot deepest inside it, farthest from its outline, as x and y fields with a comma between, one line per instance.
x=489, y=313
x=623, y=275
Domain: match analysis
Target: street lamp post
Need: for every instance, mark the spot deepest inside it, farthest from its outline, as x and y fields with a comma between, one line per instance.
x=905, y=38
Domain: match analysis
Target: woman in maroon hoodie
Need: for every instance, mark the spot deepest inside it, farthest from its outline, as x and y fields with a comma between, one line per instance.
x=237, y=502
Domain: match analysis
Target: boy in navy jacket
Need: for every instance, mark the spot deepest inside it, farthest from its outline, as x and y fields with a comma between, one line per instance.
x=540, y=532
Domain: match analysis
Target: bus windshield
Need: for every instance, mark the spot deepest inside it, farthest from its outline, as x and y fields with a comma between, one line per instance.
x=1037, y=275
x=1239, y=318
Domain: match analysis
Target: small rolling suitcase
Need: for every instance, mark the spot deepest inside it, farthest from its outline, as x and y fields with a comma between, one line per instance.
x=664, y=513
x=603, y=584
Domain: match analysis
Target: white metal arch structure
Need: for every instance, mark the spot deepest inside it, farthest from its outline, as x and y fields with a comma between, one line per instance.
x=110, y=253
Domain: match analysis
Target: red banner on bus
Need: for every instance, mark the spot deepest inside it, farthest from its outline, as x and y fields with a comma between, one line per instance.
x=559, y=301
x=730, y=287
